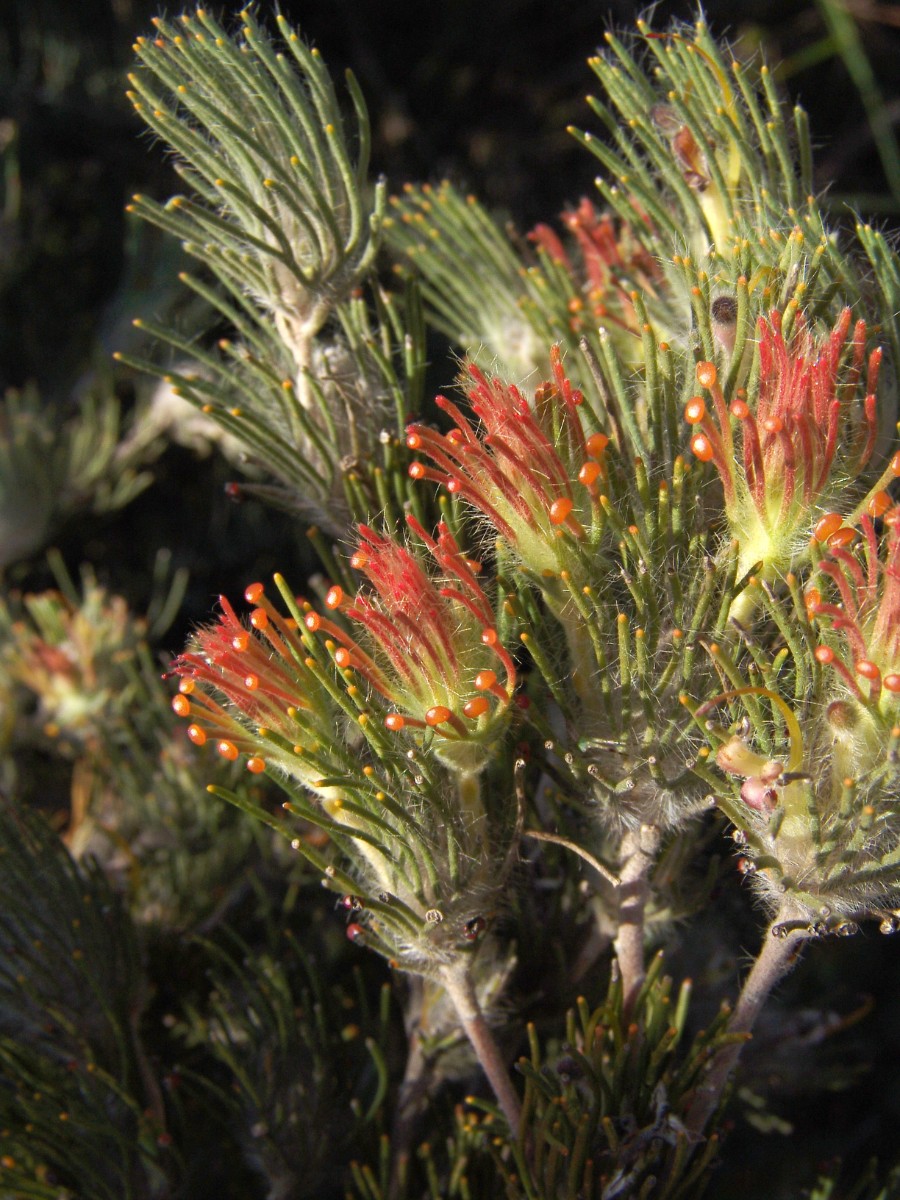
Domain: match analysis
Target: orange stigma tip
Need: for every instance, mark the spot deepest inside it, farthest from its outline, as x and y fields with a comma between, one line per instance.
x=892, y=682
x=359, y=560
x=560, y=509
x=259, y=618
x=413, y=441
x=438, y=714
x=695, y=410
x=196, y=734
x=186, y=686
x=596, y=444
x=702, y=447
x=773, y=425
x=475, y=708
x=394, y=722
x=740, y=409
x=254, y=593
x=240, y=641
x=867, y=669
x=826, y=526
x=824, y=655
x=228, y=750
x=312, y=621
x=707, y=375
x=251, y=682
x=842, y=538
x=334, y=597
x=181, y=706
x=489, y=637
x=589, y=473
x=255, y=765
x=343, y=657
x=417, y=470
x=879, y=504
x=485, y=680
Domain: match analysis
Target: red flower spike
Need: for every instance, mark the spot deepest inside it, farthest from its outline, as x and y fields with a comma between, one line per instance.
x=813, y=425
x=519, y=468
x=867, y=619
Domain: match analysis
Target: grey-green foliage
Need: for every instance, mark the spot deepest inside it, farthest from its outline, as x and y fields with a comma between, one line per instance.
x=281, y=215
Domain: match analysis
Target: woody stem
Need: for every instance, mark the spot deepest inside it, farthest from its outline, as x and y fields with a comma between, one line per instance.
x=457, y=982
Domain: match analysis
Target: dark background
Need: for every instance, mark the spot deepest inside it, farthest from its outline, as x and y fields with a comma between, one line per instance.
x=482, y=91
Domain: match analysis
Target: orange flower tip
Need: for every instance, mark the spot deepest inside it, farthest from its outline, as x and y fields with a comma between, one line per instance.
x=489, y=637
x=827, y=526
x=454, y=486
x=740, y=409
x=359, y=559
x=773, y=425
x=394, y=722
x=255, y=765
x=879, y=504
x=561, y=509
x=707, y=375
x=251, y=682
x=596, y=444
x=702, y=447
x=438, y=714
x=589, y=473
x=895, y=464
x=867, y=669
x=334, y=597
x=254, y=593
x=824, y=655
x=313, y=622
x=186, y=686
x=475, y=708
x=695, y=410
x=414, y=441
x=259, y=618
x=197, y=735
x=343, y=658
x=228, y=750
x=842, y=538
x=181, y=706
x=485, y=680
x=891, y=682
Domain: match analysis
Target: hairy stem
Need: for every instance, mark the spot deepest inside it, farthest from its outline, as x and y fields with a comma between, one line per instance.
x=776, y=958
x=639, y=851
x=458, y=984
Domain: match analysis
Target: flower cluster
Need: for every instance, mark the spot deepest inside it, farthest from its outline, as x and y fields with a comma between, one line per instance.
x=804, y=439
x=531, y=469
x=430, y=649
x=864, y=645
x=435, y=651
x=602, y=267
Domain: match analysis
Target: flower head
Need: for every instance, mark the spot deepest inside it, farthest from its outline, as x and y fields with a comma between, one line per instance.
x=255, y=691
x=530, y=469
x=603, y=264
x=864, y=643
x=807, y=436
x=430, y=646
